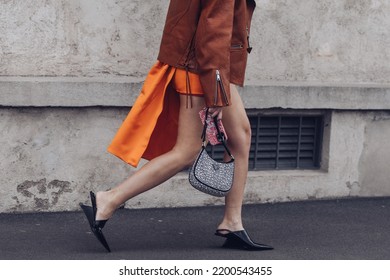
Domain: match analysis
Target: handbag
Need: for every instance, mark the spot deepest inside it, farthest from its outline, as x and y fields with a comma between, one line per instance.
x=208, y=175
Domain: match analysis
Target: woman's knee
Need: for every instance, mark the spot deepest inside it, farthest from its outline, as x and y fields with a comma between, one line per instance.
x=247, y=132
x=241, y=137
x=186, y=155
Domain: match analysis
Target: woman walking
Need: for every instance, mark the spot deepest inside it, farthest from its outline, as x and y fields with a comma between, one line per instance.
x=202, y=58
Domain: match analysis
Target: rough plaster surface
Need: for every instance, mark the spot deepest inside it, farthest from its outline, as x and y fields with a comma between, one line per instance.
x=79, y=37
x=294, y=40
x=374, y=163
x=325, y=41
x=71, y=92
x=51, y=158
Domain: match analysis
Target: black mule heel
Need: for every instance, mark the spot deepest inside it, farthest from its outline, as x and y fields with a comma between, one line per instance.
x=240, y=240
x=96, y=226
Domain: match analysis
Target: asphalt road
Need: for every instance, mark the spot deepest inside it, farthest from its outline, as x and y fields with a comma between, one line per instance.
x=310, y=230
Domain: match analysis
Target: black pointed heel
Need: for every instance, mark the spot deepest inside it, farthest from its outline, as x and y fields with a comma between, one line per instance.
x=96, y=226
x=240, y=240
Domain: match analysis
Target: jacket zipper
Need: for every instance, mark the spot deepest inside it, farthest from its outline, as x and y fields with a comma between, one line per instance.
x=237, y=46
x=249, y=49
x=220, y=84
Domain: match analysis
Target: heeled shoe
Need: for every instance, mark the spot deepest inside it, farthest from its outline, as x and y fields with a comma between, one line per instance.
x=240, y=240
x=96, y=226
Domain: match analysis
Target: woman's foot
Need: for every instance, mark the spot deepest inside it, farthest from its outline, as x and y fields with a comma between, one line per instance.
x=240, y=240
x=230, y=225
x=104, y=207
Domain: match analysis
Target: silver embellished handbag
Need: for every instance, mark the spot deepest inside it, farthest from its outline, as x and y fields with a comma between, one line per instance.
x=210, y=176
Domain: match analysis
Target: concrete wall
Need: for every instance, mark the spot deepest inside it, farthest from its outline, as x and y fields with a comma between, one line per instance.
x=51, y=158
x=86, y=38
x=294, y=40
x=70, y=70
x=340, y=41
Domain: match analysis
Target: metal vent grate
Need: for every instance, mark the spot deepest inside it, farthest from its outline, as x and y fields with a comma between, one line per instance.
x=282, y=142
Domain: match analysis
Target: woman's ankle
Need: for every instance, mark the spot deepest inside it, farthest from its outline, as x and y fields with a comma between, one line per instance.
x=231, y=225
x=105, y=207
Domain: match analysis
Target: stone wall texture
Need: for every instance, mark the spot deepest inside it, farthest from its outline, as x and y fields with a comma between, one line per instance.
x=79, y=37
x=294, y=40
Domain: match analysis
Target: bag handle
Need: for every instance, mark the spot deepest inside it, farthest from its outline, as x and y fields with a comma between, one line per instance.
x=220, y=135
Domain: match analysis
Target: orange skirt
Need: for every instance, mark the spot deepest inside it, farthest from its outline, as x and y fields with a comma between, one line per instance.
x=150, y=129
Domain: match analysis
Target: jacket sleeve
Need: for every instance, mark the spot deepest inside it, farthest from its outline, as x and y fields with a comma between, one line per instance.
x=212, y=46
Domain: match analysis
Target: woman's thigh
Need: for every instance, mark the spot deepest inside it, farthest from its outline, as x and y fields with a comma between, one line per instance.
x=190, y=125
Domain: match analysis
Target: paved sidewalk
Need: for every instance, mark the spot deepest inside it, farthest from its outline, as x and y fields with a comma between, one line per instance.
x=332, y=229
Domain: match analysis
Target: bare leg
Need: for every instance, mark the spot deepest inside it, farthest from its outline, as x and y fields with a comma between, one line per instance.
x=161, y=168
x=238, y=130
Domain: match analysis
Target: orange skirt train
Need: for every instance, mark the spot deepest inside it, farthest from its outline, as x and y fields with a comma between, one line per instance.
x=150, y=129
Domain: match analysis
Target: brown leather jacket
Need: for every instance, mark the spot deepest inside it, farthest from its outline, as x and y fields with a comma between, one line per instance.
x=211, y=38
